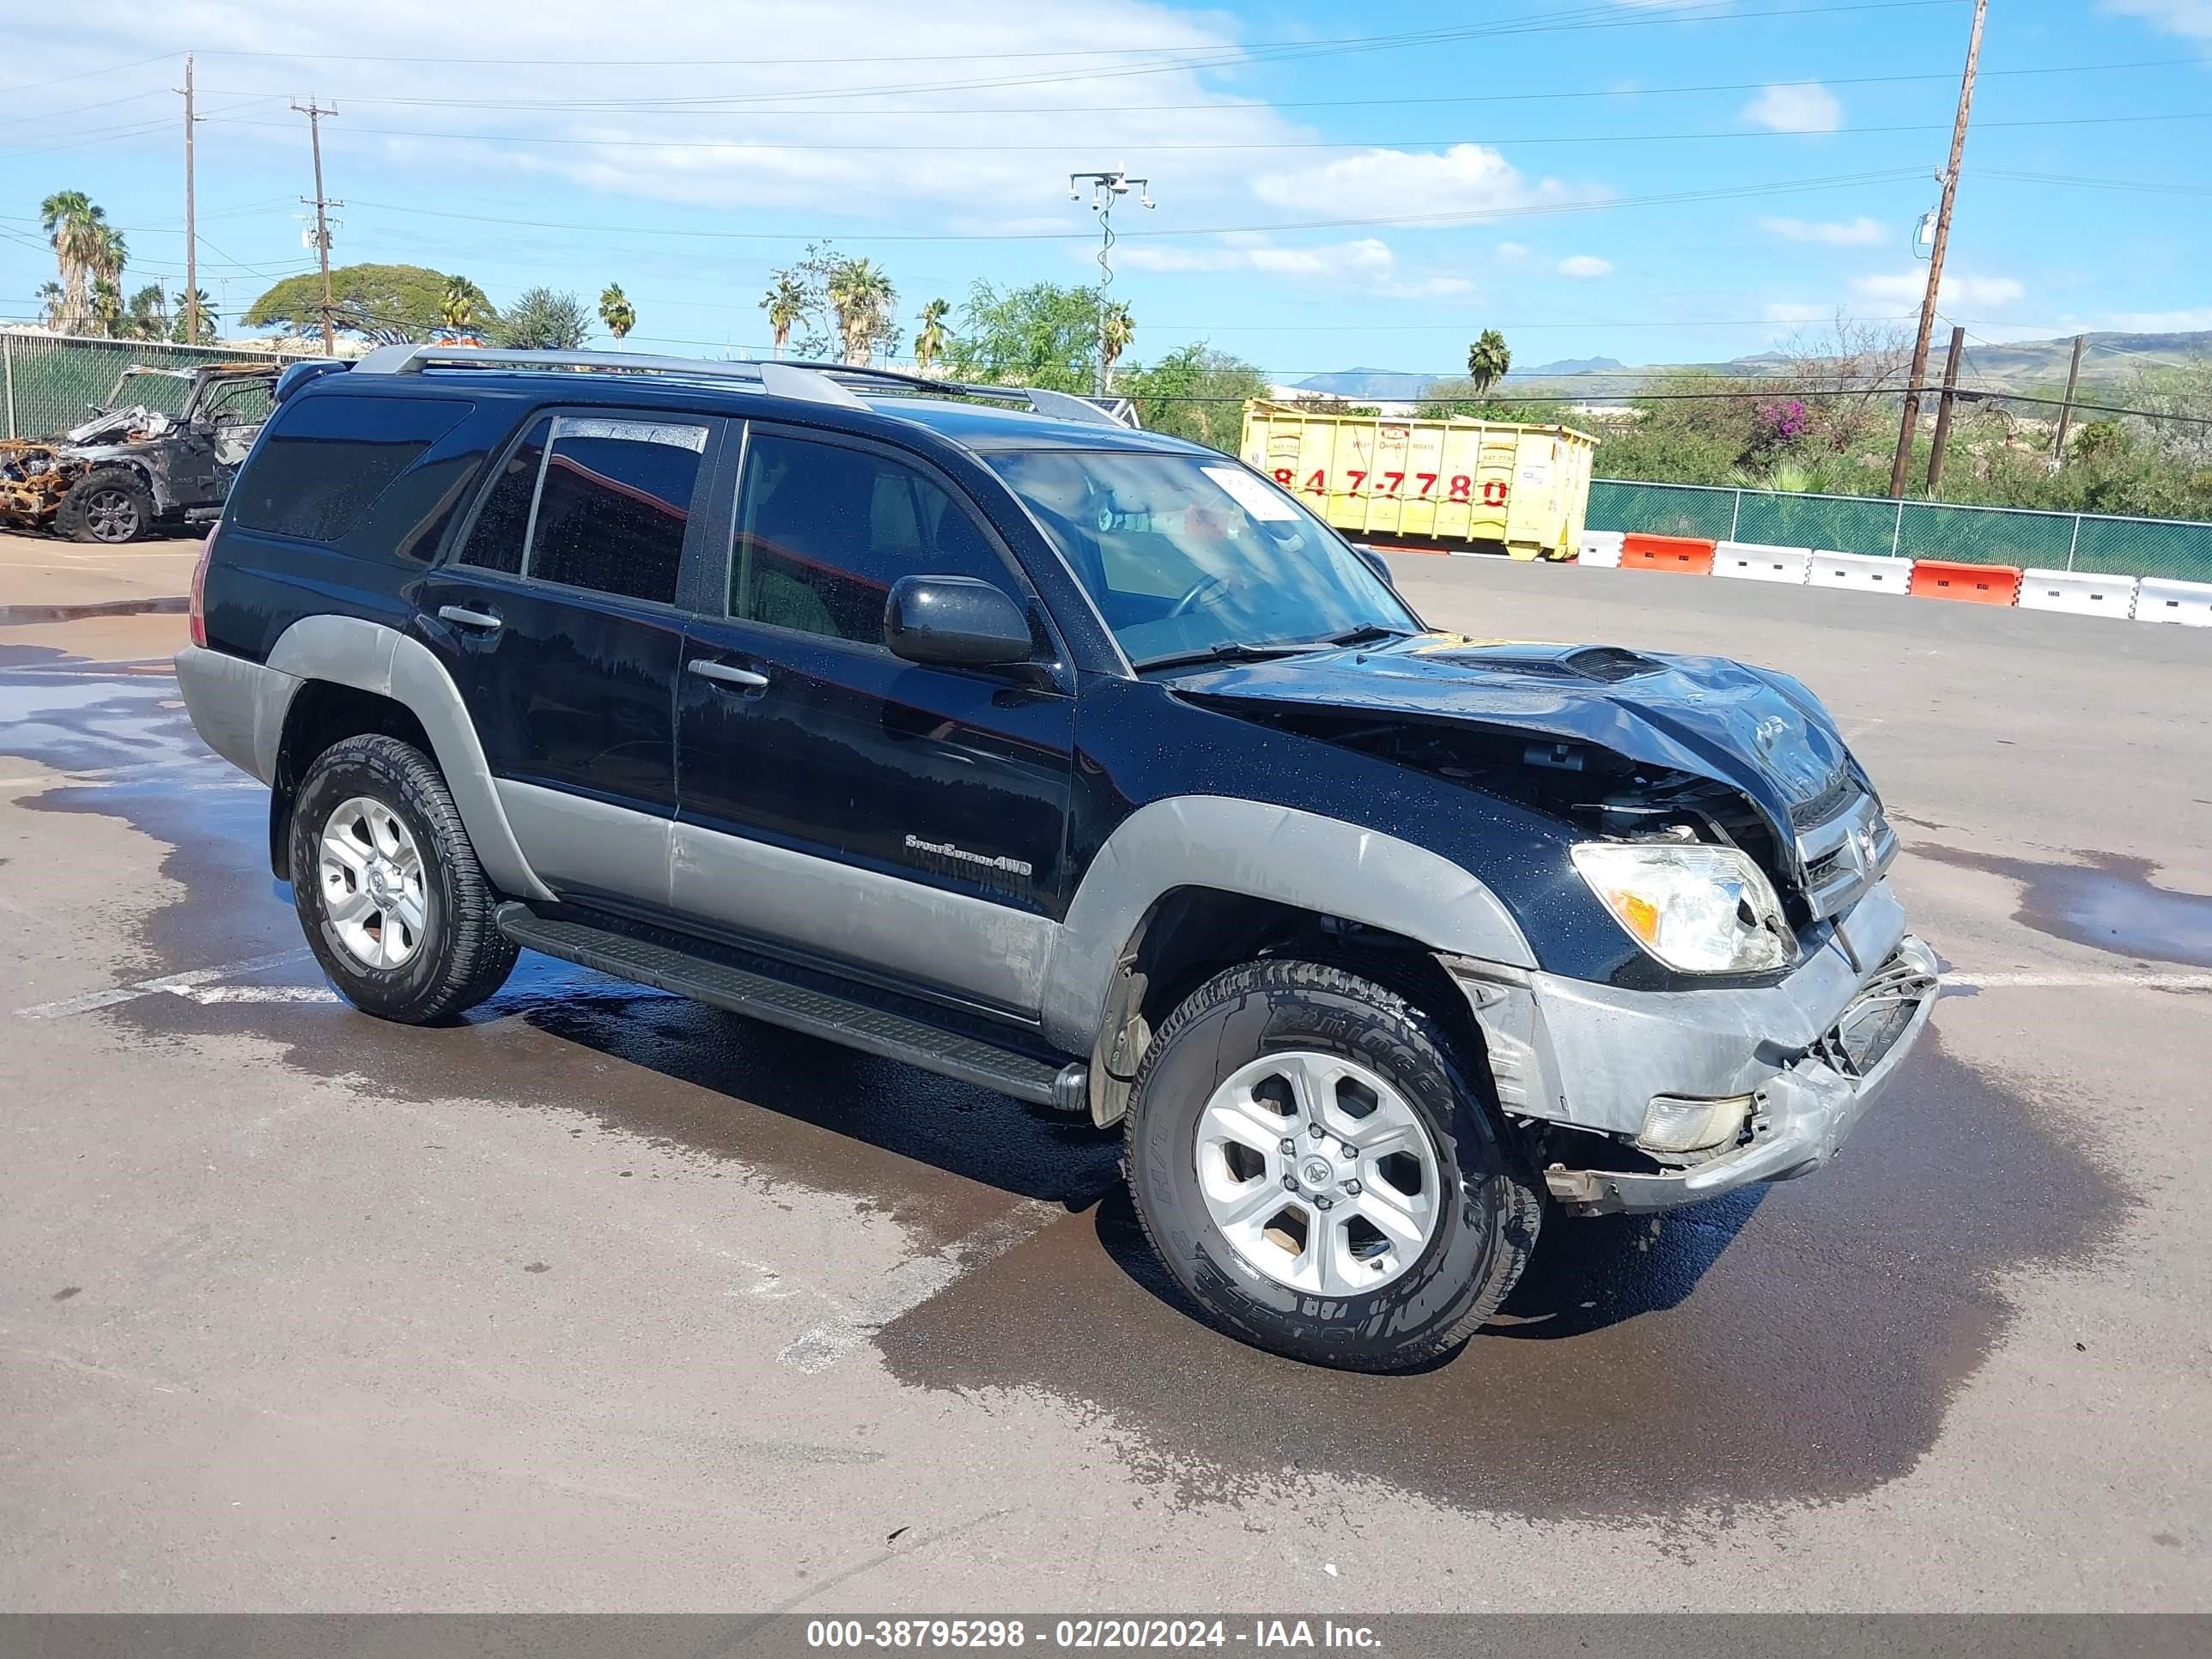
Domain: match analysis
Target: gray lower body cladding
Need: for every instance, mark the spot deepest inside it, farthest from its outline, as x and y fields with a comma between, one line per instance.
x=1592, y=1057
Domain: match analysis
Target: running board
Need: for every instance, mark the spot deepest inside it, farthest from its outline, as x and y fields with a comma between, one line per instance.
x=797, y=1008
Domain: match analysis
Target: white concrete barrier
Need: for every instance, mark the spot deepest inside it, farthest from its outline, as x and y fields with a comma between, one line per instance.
x=1755, y=562
x=2160, y=598
x=1601, y=547
x=2083, y=593
x=1870, y=573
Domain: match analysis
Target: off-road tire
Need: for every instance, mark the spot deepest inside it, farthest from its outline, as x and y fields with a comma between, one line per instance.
x=80, y=517
x=463, y=957
x=1481, y=1244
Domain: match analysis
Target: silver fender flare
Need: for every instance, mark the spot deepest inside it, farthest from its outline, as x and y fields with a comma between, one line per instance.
x=1259, y=851
x=370, y=657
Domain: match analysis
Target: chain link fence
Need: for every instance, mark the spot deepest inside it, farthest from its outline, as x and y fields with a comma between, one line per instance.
x=49, y=382
x=1909, y=530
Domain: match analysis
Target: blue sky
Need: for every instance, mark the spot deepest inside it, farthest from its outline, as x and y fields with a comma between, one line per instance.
x=1653, y=180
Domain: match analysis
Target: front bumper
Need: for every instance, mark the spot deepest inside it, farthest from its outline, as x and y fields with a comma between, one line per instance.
x=1813, y=1052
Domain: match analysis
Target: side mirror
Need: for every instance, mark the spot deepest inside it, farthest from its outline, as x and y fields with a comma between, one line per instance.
x=954, y=622
x=1375, y=563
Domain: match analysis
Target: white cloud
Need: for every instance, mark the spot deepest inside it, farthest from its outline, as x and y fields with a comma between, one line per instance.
x=758, y=111
x=1793, y=311
x=1366, y=265
x=2189, y=19
x=1465, y=182
x=1904, y=288
x=1512, y=251
x=1585, y=265
x=1808, y=106
x=2164, y=322
x=1860, y=231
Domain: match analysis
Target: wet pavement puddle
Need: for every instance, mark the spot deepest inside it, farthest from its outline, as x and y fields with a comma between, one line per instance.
x=1800, y=1344
x=2108, y=901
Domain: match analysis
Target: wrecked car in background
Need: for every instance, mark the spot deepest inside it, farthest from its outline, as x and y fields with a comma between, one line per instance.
x=135, y=464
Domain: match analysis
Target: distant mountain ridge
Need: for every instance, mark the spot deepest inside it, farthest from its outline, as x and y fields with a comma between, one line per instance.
x=2113, y=358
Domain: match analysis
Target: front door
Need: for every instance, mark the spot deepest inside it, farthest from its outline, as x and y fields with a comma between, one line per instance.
x=557, y=618
x=843, y=803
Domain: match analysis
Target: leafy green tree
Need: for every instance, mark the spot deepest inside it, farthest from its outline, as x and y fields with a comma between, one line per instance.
x=1197, y=393
x=1042, y=335
x=543, y=321
x=615, y=311
x=929, y=340
x=1487, y=361
x=385, y=305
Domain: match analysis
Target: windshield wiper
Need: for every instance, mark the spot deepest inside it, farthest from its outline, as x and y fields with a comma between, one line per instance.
x=1367, y=632
x=1229, y=651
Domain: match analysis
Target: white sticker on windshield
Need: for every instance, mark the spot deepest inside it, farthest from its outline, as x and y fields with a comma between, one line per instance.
x=1254, y=497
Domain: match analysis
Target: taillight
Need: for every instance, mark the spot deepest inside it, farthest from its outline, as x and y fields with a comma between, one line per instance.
x=199, y=588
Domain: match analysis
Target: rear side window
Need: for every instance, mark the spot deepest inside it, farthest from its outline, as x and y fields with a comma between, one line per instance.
x=495, y=539
x=613, y=504
x=325, y=460
x=823, y=531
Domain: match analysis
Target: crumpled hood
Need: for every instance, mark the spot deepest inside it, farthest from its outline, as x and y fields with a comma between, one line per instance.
x=1758, y=730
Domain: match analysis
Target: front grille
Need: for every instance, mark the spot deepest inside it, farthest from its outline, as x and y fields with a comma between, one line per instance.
x=1837, y=794
x=1875, y=1017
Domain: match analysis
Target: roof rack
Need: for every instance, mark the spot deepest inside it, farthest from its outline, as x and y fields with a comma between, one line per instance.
x=819, y=383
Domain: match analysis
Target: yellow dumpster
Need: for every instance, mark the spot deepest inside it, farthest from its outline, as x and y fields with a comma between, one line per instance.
x=1461, y=485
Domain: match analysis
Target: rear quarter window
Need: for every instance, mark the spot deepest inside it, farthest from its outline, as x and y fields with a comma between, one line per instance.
x=324, y=461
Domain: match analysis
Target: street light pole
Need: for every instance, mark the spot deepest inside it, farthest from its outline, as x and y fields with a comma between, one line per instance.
x=1104, y=188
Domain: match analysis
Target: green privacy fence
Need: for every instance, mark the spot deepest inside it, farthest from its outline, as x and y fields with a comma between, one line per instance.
x=1909, y=530
x=49, y=381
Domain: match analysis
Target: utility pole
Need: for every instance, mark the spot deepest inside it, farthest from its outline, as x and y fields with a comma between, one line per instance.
x=2066, y=409
x=1943, y=409
x=191, y=229
x=314, y=112
x=1104, y=188
x=1903, y=462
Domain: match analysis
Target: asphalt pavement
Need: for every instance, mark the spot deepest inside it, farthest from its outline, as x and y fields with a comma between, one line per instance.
x=604, y=1301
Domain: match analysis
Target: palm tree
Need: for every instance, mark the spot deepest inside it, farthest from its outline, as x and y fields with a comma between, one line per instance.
x=50, y=298
x=106, y=306
x=785, y=305
x=615, y=310
x=929, y=340
x=149, y=313
x=462, y=306
x=208, y=320
x=861, y=295
x=76, y=226
x=1120, y=329
x=1487, y=360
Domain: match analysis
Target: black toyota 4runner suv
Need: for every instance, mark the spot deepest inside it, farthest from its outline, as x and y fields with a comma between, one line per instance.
x=971, y=728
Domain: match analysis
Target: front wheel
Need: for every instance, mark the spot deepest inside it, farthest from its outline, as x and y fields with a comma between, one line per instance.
x=390, y=894
x=1311, y=1161
x=109, y=504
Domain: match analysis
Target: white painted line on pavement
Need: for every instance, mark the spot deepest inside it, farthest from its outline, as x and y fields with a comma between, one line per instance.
x=912, y=1283
x=2086, y=980
x=259, y=993
x=179, y=984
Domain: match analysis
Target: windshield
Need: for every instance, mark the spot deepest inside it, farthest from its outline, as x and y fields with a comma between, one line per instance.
x=1182, y=554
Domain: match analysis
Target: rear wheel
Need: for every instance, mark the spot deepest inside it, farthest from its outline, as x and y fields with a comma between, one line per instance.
x=108, y=504
x=1310, y=1158
x=388, y=889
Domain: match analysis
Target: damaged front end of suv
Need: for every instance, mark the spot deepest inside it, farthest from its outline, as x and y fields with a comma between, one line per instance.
x=1715, y=815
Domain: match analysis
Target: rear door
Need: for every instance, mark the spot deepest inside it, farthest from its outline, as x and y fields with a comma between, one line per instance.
x=836, y=800
x=557, y=615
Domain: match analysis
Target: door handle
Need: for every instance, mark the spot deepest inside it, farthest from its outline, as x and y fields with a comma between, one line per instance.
x=725, y=674
x=461, y=616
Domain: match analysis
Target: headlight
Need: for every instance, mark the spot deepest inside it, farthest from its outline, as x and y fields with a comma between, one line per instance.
x=1699, y=909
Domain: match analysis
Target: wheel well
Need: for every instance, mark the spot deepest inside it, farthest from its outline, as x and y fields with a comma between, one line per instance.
x=1192, y=933
x=323, y=713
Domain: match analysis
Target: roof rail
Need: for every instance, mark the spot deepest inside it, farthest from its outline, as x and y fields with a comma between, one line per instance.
x=819, y=383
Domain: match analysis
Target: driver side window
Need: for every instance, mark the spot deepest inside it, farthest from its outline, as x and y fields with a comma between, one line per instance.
x=823, y=532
